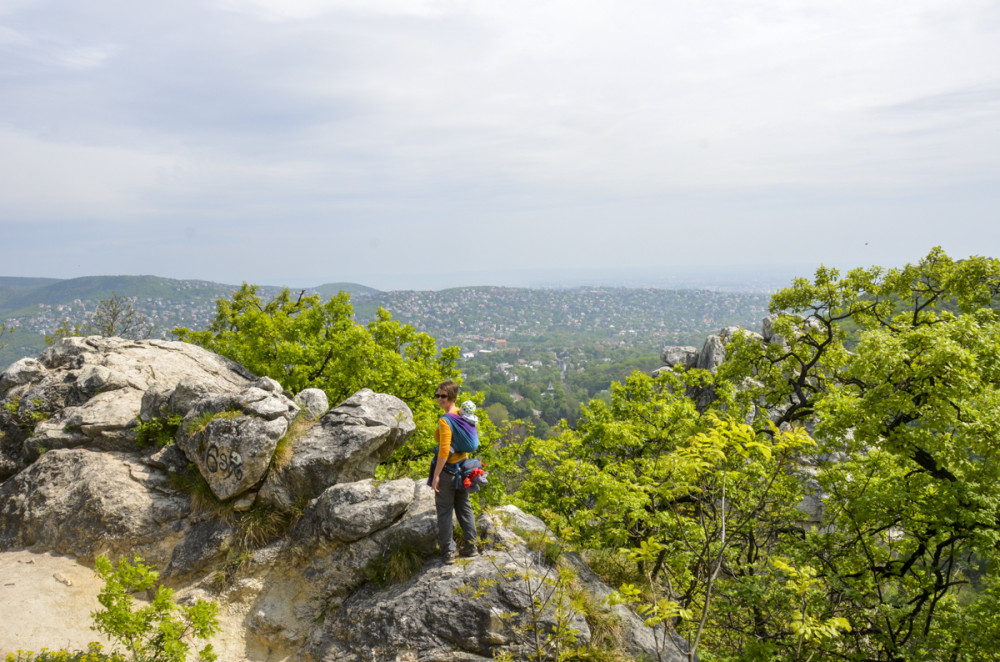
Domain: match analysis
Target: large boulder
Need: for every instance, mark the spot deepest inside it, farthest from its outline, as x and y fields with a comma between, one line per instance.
x=231, y=437
x=351, y=511
x=346, y=446
x=86, y=503
x=673, y=355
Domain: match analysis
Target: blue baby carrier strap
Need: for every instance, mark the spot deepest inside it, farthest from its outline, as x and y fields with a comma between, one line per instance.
x=464, y=436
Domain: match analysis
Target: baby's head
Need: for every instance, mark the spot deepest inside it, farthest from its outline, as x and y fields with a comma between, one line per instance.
x=468, y=408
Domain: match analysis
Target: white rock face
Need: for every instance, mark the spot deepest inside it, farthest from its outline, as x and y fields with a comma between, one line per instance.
x=345, y=446
x=85, y=503
x=313, y=402
x=679, y=355
x=231, y=438
x=89, y=392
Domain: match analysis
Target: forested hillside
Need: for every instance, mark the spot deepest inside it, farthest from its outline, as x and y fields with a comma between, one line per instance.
x=506, y=320
x=32, y=308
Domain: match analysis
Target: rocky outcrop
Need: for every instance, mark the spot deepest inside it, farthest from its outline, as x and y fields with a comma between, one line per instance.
x=292, y=530
x=713, y=352
x=87, y=392
x=347, y=444
x=313, y=402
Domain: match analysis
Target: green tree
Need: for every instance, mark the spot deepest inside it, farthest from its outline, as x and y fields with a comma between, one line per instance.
x=116, y=316
x=304, y=342
x=900, y=370
x=897, y=372
x=697, y=503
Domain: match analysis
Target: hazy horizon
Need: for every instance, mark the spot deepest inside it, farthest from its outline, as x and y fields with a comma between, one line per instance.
x=733, y=278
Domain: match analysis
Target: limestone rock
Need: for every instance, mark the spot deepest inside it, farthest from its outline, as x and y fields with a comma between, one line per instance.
x=21, y=372
x=673, y=355
x=351, y=511
x=346, y=446
x=416, y=619
x=231, y=437
x=767, y=329
x=204, y=543
x=85, y=503
x=313, y=402
x=712, y=353
x=87, y=392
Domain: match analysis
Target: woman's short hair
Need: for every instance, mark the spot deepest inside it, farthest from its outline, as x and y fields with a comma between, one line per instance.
x=449, y=388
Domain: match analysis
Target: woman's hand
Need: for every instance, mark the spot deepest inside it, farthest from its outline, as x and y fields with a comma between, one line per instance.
x=437, y=478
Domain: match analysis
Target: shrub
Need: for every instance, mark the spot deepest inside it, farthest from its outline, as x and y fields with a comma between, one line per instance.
x=155, y=632
x=159, y=431
x=94, y=653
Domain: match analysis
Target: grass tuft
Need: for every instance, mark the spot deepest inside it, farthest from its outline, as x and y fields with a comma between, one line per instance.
x=283, y=450
x=159, y=431
x=262, y=525
x=395, y=566
x=201, y=421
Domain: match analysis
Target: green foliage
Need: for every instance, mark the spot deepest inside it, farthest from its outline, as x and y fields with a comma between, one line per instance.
x=94, y=653
x=396, y=566
x=898, y=369
x=156, y=632
x=24, y=414
x=158, y=431
x=683, y=494
x=304, y=342
x=911, y=419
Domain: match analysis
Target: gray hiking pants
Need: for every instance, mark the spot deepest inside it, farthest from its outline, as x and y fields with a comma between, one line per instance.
x=450, y=500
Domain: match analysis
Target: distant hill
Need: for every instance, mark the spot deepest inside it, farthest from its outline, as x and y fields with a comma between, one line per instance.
x=12, y=287
x=25, y=295
x=354, y=289
x=96, y=288
x=35, y=307
x=9, y=281
x=473, y=318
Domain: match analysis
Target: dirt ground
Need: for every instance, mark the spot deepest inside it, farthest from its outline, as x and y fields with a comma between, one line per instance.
x=46, y=601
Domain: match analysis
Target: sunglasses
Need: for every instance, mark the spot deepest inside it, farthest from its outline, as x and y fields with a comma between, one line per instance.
x=440, y=395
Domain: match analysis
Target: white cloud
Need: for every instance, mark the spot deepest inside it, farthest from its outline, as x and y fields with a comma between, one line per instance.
x=45, y=181
x=510, y=113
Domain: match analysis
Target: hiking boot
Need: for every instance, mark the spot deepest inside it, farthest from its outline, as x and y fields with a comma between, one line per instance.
x=448, y=558
x=470, y=551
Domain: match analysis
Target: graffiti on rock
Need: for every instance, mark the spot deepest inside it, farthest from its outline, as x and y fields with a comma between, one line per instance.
x=228, y=464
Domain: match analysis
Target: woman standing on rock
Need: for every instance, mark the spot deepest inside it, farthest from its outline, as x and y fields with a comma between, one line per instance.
x=447, y=497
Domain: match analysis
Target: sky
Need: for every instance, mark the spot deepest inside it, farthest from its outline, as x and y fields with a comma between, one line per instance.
x=419, y=144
